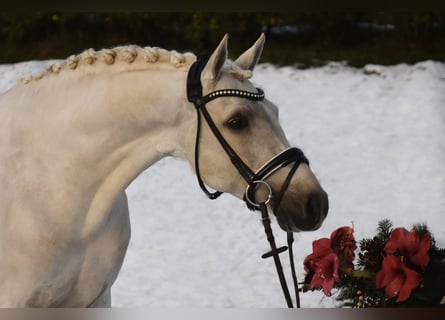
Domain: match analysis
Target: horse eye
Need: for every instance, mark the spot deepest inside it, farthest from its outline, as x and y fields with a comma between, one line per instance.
x=237, y=122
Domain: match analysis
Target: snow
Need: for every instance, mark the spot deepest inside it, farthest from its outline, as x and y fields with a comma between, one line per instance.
x=375, y=139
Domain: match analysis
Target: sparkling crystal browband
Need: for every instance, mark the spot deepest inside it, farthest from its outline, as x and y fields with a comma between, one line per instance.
x=234, y=93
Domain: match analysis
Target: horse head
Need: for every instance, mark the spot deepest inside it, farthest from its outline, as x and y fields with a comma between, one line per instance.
x=241, y=145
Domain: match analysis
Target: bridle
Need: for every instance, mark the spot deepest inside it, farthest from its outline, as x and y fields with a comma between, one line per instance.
x=253, y=179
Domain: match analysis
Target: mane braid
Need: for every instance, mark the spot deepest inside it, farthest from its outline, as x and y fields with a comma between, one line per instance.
x=121, y=54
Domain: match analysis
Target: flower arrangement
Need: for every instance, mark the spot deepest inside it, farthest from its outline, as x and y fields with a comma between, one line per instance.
x=396, y=268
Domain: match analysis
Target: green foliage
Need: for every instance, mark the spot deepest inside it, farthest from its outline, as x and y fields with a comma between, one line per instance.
x=358, y=289
x=292, y=38
x=371, y=250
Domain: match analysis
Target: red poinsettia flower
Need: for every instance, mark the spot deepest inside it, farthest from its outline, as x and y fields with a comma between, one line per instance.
x=322, y=266
x=343, y=243
x=409, y=245
x=397, y=278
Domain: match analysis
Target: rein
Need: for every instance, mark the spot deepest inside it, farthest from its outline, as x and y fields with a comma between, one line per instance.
x=253, y=179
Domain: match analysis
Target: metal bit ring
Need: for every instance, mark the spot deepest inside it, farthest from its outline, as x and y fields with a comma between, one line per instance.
x=254, y=202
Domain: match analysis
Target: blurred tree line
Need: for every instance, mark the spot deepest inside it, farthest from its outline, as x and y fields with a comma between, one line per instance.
x=305, y=39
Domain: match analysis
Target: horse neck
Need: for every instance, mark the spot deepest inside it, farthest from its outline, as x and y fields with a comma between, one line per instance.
x=144, y=121
x=107, y=128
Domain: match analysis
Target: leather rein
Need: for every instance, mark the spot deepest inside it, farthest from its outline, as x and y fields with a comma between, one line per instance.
x=254, y=179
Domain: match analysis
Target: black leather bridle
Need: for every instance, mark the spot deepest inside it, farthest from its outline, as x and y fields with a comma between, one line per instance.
x=253, y=179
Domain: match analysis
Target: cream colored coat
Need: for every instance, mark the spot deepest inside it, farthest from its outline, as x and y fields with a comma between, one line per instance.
x=74, y=138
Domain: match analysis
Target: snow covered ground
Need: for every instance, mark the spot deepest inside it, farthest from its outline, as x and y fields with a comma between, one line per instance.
x=375, y=137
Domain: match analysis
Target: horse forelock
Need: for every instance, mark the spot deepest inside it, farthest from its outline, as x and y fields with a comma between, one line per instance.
x=144, y=57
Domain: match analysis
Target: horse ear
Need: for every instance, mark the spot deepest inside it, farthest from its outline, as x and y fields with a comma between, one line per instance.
x=249, y=59
x=216, y=61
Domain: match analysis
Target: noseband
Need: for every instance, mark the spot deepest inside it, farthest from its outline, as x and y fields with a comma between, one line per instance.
x=254, y=179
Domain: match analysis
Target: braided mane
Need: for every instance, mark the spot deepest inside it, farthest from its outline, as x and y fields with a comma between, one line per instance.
x=143, y=57
x=129, y=55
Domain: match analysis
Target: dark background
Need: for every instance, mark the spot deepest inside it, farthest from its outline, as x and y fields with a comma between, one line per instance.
x=305, y=39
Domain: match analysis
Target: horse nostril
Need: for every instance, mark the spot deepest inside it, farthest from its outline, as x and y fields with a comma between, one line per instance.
x=312, y=204
x=317, y=206
x=314, y=207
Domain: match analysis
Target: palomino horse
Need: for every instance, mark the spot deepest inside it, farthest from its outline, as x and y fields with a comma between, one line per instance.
x=73, y=138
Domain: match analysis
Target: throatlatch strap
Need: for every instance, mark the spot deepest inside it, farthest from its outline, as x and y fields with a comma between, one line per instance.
x=210, y=195
x=194, y=94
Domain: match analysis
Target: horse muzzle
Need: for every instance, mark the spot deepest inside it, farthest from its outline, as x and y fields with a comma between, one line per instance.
x=302, y=212
x=290, y=189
